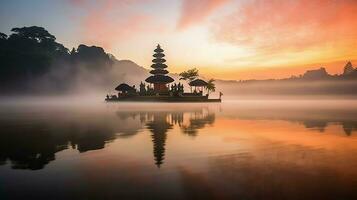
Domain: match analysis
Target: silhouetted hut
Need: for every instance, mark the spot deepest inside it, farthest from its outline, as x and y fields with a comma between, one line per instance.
x=159, y=77
x=124, y=88
x=198, y=83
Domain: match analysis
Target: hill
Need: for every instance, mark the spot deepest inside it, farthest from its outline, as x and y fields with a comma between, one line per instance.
x=312, y=82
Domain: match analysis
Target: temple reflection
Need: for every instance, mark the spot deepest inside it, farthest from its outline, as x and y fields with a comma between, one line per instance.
x=159, y=124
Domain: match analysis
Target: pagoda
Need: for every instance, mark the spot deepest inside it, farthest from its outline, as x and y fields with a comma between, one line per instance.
x=159, y=89
x=159, y=77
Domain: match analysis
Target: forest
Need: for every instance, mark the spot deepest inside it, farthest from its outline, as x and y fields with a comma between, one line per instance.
x=33, y=62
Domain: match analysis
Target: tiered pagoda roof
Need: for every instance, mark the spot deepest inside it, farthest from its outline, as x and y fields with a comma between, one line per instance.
x=159, y=72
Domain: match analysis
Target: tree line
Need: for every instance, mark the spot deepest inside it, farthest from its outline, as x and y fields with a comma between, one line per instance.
x=29, y=54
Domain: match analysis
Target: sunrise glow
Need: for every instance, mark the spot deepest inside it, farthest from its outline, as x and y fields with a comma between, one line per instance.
x=227, y=39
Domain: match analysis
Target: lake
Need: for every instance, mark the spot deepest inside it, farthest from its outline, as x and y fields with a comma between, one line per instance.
x=251, y=149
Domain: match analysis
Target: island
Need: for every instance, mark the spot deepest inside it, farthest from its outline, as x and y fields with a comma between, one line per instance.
x=160, y=87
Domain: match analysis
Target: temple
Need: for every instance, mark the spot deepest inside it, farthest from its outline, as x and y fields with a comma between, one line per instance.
x=160, y=87
x=159, y=78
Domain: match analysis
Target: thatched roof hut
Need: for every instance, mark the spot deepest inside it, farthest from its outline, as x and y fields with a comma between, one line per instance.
x=198, y=83
x=124, y=88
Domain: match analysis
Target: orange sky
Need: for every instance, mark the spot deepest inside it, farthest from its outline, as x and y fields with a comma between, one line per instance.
x=225, y=39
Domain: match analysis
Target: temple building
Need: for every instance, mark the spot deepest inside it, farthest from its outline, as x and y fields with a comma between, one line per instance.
x=161, y=87
x=159, y=78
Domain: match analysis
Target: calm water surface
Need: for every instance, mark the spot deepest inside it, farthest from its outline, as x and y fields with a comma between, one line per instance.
x=234, y=150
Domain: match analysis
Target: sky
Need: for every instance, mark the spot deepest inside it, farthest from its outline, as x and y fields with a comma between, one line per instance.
x=224, y=39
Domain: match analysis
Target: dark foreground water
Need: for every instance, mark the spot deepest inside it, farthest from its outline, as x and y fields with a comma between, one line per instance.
x=234, y=150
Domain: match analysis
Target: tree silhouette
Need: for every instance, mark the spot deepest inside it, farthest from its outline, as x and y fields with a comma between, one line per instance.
x=34, y=32
x=189, y=75
x=91, y=57
x=348, y=69
x=29, y=54
x=210, y=87
x=3, y=36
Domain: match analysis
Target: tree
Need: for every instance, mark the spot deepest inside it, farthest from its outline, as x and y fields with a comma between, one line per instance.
x=3, y=36
x=189, y=75
x=36, y=33
x=210, y=87
x=31, y=55
x=26, y=55
x=92, y=57
x=73, y=51
x=3, y=41
x=348, y=69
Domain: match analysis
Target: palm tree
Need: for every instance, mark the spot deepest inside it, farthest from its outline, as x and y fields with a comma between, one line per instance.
x=210, y=87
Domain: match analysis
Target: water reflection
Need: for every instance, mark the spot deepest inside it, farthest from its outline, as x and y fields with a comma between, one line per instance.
x=348, y=126
x=160, y=122
x=316, y=116
x=198, y=121
x=171, y=151
x=32, y=144
x=158, y=125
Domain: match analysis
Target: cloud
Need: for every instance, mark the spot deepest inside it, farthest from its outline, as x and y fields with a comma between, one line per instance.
x=195, y=11
x=108, y=22
x=290, y=25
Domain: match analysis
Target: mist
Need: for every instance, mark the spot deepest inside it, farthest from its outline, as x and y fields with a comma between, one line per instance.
x=88, y=82
x=289, y=89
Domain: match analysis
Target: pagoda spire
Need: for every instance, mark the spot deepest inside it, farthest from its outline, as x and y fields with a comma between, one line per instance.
x=159, y=66
x=159, y=73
